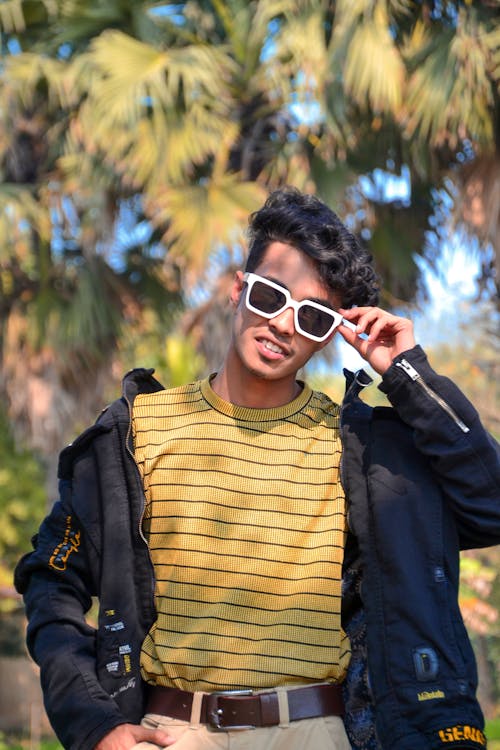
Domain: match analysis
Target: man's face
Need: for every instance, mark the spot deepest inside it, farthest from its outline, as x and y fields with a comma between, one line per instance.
x=271, y=348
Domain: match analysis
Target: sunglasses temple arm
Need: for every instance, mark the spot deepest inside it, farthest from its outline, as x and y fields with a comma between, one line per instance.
x=352, y=327
x=348, y=324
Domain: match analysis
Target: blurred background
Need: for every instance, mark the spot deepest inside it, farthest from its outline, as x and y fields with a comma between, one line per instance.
x=135, y=139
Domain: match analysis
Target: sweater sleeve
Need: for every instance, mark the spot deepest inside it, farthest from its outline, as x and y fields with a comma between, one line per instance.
x=447, y=429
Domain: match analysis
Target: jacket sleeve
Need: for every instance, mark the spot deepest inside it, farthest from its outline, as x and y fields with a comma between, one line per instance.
x=58, y=582
x=447, y=429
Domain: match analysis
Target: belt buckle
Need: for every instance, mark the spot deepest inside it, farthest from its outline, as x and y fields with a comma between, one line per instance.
x=214, y=713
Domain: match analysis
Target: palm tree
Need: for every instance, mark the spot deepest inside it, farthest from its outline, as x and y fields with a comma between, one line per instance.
x=412, y=88
x=114, y=125
x=179, y=118
x=65, y=301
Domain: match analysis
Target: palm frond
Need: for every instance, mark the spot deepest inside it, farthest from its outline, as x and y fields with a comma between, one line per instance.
x=29, y=71
x=200, y=217
x=303, y=41
x=136, y=76
x=90, y=319
x=259, y=29
x=11, y=16
x=374, y=72
x=163, y=147
x=451, y=91
x=21, y=214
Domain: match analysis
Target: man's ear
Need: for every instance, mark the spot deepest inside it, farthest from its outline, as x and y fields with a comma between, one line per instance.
x=236, y=289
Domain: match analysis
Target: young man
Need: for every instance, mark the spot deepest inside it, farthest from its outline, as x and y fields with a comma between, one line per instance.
x=210, y=521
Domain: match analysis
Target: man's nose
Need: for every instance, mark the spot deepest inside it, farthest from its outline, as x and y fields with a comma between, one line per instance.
x=284, y=323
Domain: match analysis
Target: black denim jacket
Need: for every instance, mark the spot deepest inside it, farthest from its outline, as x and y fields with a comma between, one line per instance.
x=422, y=480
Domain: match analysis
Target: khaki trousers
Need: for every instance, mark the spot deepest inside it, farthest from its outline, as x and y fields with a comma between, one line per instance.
x=323, y=733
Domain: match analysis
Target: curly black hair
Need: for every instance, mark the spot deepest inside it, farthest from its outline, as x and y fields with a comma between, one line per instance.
x=306, y=223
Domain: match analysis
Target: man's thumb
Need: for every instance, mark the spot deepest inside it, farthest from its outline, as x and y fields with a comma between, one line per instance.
x=155, y=736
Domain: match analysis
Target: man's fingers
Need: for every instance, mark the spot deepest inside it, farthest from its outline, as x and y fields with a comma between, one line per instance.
x=126, y=736
x=155, y=736
x=380, y=336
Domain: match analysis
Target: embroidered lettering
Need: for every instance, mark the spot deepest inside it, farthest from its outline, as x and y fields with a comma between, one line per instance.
x=428, y=695
x=462, y=732
x=127, y=663
x=125, y=649
x=115, y=626
x=128, y=685
x=112, y=666
x=70, y=543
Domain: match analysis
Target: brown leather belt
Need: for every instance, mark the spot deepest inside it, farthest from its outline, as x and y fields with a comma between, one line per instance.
x=242, y=709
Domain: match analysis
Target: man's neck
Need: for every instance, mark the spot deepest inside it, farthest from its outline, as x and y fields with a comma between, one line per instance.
x=253, y=392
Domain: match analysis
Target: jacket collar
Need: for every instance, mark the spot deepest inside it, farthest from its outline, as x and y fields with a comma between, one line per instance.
x=355, y=382
x=139, y=380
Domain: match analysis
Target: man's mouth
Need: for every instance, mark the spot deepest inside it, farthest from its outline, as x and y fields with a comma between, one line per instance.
x=273, y=348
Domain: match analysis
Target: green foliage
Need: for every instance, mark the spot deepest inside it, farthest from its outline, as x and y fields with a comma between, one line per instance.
x=173, y=357
x=22, y=505
x=195, y=107
x=493, y=731
x=183, y=363
x=14, y=741
x=12, y=630
x=135, y=139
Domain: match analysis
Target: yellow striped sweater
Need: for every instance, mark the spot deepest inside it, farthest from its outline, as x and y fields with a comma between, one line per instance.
x=245, y=519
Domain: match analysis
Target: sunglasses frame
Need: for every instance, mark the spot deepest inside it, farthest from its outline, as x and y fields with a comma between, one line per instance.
x=251, y=278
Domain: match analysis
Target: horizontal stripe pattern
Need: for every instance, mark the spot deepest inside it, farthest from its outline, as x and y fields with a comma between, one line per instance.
x=245, y=519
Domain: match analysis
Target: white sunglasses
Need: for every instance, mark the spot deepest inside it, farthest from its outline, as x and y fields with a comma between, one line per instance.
x=312, y=320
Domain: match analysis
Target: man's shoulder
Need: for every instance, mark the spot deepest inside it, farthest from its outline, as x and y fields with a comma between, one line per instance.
x=165, y=394
x=323, y=409
x=324, y=401
x=136, y=382
x=140, y=380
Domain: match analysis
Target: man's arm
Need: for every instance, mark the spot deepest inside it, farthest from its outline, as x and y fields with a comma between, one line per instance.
x=55, y=582
x=58, y=582
x=446, y=426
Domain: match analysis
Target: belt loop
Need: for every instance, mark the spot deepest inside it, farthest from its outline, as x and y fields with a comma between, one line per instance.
x=194, y=721
x=283, y=707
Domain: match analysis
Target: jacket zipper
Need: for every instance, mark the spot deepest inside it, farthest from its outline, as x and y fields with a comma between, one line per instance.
x=417, y=378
